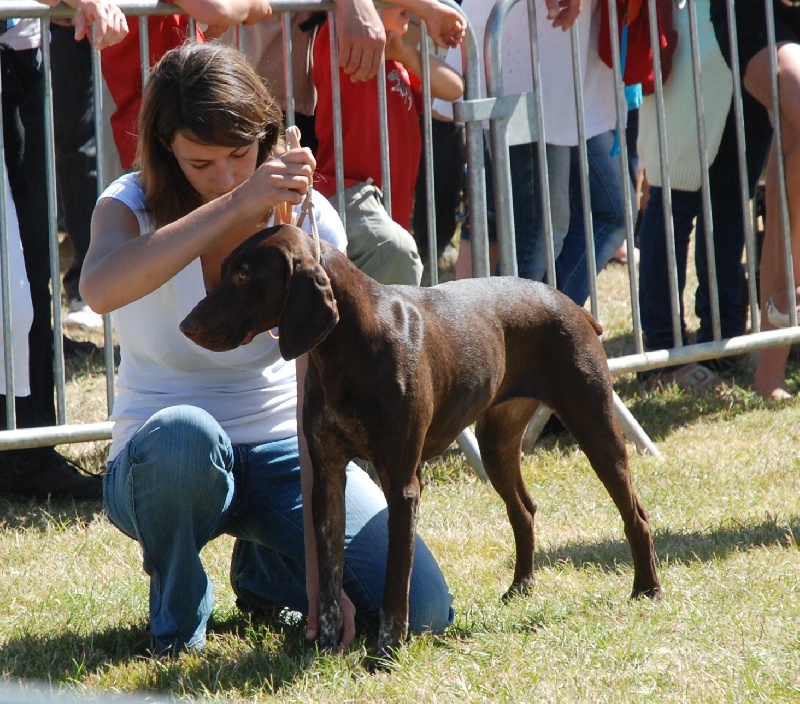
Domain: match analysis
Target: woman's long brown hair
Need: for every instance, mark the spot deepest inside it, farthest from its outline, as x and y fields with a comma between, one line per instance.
x=210, y=94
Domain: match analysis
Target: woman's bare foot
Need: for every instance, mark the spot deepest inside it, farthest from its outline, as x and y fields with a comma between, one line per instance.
x=769, y=375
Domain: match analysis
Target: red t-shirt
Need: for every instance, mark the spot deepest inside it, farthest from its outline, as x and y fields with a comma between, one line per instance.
x=122, y=70
x=360, y=129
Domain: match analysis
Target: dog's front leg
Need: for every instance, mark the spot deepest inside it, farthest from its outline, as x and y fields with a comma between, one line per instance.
x=403, y=499
x=328, y=511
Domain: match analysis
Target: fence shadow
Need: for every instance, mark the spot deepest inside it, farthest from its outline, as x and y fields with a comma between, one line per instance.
x=678, y=546
x=277, y=655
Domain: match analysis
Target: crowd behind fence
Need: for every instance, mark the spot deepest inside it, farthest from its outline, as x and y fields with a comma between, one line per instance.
x=490, y=116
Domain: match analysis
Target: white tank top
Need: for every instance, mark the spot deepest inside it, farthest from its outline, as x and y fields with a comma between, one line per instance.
x=251, y=391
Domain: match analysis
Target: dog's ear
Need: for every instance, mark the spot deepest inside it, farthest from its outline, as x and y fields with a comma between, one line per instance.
x=309, y=312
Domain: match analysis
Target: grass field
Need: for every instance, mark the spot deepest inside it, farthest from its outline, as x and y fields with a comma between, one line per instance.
x=725, y=514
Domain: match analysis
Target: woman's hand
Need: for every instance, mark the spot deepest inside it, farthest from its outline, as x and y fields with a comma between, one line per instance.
x=348, y=613
x=285, y=178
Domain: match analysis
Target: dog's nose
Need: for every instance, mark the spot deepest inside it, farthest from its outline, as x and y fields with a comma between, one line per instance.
x=188, y=329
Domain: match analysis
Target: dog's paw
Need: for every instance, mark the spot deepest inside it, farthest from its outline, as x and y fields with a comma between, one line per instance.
x=522, y=588
x=653, y=593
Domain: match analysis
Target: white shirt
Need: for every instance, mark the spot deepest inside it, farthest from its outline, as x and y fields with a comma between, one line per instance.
x=251, y=391
x=555, y=55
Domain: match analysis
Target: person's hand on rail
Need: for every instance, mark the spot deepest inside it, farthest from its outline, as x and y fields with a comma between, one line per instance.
x=110, y=25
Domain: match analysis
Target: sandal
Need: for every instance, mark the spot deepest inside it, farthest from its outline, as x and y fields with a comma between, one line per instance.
x=777, y=317
x=694, y=377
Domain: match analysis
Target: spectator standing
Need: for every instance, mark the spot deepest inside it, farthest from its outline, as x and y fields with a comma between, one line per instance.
x=756, y=76
x=380, y=245
x=685, y=179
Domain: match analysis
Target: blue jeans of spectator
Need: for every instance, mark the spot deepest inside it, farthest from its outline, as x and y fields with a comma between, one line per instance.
x=179, y=483
x=654, y=292
x=727, y=217
x=608, y=215
x=529, y=222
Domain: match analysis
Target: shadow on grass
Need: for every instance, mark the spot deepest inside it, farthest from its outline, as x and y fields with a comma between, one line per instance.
x=678, y=547
x=42, y=515
x=269, y=658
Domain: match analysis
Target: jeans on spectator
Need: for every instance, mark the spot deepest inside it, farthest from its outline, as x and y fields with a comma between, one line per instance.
x=654, y=292
x=180, y=482
x=727, y=218
x=529, y=223
x=608, y=215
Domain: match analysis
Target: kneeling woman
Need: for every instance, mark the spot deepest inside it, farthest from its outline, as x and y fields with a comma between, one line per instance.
x=206, y=443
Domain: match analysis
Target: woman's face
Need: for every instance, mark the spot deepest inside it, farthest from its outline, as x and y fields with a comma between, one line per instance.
x=212, y=170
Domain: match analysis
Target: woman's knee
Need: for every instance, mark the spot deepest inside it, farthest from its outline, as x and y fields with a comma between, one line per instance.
x=185, y=444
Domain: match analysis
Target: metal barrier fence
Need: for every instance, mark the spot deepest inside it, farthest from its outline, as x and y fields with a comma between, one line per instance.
x=501, y=113
x=501, y=110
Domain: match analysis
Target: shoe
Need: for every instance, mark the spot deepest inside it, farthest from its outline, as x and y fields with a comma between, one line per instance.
x=694, y=377
x=81, y=317
x=778, y=318
x=39, y=472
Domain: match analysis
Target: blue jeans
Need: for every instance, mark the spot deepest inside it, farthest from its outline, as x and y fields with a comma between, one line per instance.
x=529, y=228
x=179, y=483
x=726, y=213
x=608, y=216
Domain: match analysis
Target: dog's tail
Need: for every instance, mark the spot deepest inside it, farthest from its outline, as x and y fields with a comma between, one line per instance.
x=593, y=322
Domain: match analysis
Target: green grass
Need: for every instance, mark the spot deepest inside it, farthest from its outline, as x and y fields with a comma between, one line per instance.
x=725, y=515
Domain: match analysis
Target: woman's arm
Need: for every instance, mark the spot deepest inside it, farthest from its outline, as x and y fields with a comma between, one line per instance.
x=312, y=570
x=123, y=265
x=446, y=83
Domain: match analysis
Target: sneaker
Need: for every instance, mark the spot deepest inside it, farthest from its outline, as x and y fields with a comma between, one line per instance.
x=81, y=317
x=39, y=472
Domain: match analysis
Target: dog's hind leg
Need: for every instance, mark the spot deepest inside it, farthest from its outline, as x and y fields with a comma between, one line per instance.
x=499, y=432
x=590, y=418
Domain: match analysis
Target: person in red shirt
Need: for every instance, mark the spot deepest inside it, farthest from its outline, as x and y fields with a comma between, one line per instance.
x=378, y=244
x=361, y=41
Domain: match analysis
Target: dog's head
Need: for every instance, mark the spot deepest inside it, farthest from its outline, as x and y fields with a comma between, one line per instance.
x=272, y=279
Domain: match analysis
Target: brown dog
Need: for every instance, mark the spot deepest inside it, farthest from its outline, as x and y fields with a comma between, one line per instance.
x=395, y=373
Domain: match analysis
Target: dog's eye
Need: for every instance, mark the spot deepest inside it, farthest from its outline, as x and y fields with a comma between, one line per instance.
x=241, y=275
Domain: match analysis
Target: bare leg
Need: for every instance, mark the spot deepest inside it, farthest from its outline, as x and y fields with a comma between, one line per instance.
x=770, y=372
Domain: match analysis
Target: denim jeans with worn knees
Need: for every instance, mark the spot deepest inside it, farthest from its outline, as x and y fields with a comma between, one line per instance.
x=608, y=216
x=529, y=215
x=179, y=483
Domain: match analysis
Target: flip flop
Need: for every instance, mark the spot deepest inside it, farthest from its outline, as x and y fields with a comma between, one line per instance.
x=694, y=377
x=777, y=317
